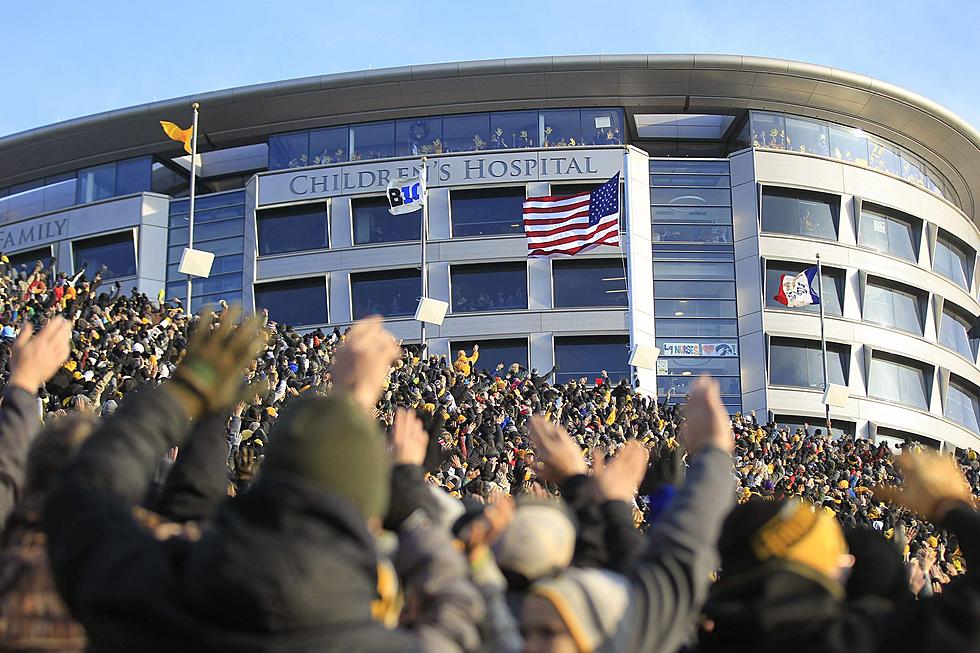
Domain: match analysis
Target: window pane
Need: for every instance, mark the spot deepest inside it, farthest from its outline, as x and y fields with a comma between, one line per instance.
x=294, y=302
x=562, y=128
x=60, y=194
x=833, y=287
x=292, y=228
x=697, y=365
x=513, y=129
x=133, y=176
x=888, y=233
x=373, y=141
x=689, y=181
x=693, y=308
x=799, y=213
x=602, y=126
x=849, y=144
x=487, y=211
x=816, y=425
x=466, y=133
x=96, y=183
x=289, y=150
x=694, y=327
x=418, y=137
x=882, y=157
x=768, y=130
x=374, y=223
x=328, y=145
x=691, y=196
x=506, y=351
x=962, y=406
x=587, y=356
x=799, y=363
x=700, y=214
x=898, y=381
x=808, y=136
x=892, y=307
x=690, y=233
x=706, y=252
x=218, y=283
x=692, y=270
x=589, y=283
x=912, y=171
x=694, y=167
x=115, y=252
x=953, y=333
x=489, y=287
x=391, y=293
x=27, y=260
x=953, y=262
x=679, y=386
x=686, y=289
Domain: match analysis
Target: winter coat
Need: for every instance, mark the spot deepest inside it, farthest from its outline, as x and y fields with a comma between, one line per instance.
x=19, y=423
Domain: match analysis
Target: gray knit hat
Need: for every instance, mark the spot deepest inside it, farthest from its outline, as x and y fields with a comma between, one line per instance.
x=539, y=542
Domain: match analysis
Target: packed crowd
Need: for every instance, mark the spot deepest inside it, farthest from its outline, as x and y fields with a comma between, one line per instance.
x=152, y=496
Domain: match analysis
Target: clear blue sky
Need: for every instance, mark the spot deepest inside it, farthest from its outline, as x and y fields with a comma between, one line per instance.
x=69, y=58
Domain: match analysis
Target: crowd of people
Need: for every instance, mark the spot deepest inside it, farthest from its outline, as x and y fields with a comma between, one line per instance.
x=218, y=483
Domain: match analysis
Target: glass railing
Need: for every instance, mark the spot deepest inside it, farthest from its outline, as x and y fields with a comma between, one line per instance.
x=53, y=197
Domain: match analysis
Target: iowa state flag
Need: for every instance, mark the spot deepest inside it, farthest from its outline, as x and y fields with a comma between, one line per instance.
x=798, y=290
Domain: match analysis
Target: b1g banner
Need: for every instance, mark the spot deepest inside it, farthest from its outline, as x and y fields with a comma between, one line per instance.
x=405, y=195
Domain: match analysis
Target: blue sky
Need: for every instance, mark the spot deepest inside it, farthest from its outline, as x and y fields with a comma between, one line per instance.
x=64, y=59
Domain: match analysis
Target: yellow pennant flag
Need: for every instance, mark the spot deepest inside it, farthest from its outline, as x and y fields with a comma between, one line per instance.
x=176, y=133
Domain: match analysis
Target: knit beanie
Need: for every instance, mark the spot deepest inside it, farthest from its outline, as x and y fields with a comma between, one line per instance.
x=331, y=443
x=788, y=532
x=539, y=541
x=593, y=604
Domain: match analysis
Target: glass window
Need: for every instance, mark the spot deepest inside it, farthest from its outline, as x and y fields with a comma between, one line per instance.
x=815, y=424
x=799, y=363
x=292, y=228
x=602, y=126
x=693, y=308
x=567, y=190
x=889, y=304
x=677, y=387
x=692, y=270
x=848, y=144
x=562, y=128
x=294, y=302
x=912, y=171
x=882, y=157
x=513, y=129
x=697, y=365
x=953, y=260
x=466, y=133
x=668, y=166
x=589, y=282
x=587, y=356
x=374, y=223
x=690, y=233
x=962, y=405
x=489, y=287
x=703, y=290
x=419, y=136
x=503, y=351
x=96, y=183
x=808, y=136
x=833, y=287
x=768, y=130
x=689, y=181
x=897, y=379
x=391, y=293
x=167, y=181
x=953, y=330
x=115, y=254
x=218, y=283
x=691, y=196
x=695, y=327
x=889, y=233
x=28, y=259
x=133, y=176
x=328, y=145
x=289, y=150
x=699, y=214
x=487, y=211
x=374, y=140
x=59, y=194
x=706, y=252
x=800, y=213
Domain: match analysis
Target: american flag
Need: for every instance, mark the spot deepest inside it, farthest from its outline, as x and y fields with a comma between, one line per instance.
x=566, y=225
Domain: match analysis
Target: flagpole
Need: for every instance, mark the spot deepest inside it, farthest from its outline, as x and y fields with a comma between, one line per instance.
x=823, y=343
x=424, y=228
x=190, y=230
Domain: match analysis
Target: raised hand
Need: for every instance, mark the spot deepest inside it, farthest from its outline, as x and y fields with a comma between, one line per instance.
x=933, y=484
x=708, y=423
x=364, y=360
x=558, y=454
x=409, y=441
x=619, y=479
x=35, y=360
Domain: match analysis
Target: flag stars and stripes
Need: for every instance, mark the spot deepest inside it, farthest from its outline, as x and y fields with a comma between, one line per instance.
x=568, y=225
